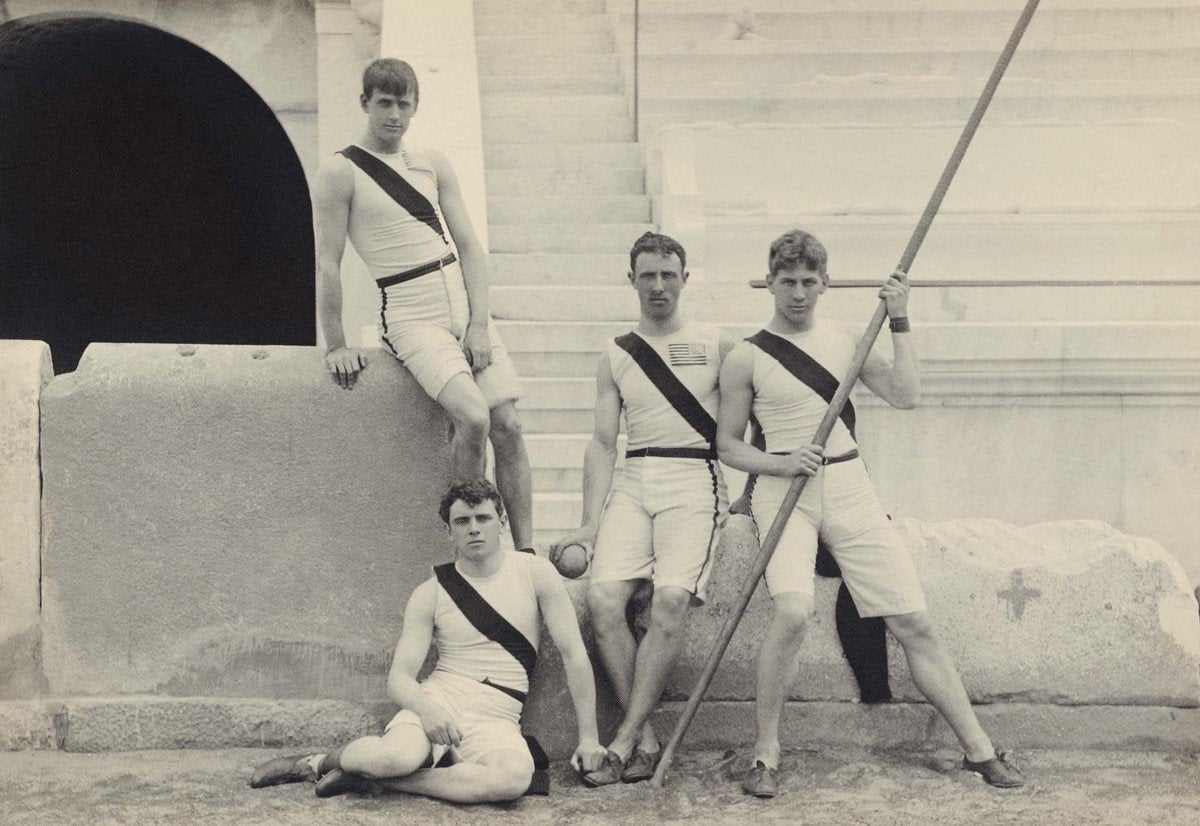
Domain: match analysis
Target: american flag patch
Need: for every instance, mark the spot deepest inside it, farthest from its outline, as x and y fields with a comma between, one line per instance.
x=687, y=354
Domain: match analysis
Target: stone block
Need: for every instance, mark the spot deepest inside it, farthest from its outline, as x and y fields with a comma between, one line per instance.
x=129, y=723
x=31, y=724
x=25, y=368
x=227, y=521
x=1061, y=613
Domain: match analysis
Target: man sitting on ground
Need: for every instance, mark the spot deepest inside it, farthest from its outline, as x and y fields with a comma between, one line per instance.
x=457, y=736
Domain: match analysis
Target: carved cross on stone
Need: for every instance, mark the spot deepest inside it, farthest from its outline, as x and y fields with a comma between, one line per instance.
x=1017, y=594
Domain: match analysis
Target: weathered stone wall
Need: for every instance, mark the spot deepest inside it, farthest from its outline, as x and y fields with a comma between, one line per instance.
x=227, y=521
x=24, y=370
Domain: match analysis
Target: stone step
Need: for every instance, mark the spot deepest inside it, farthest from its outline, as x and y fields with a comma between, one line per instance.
x=555, y=106
x=732, y=303
x=491, y=8
x=557, y=349
x=619, y=181
x=563, y=237
x=557, y=512
x=510, y=24
x=590, y=63
x=526, y=131
x=779, y=62
x=559, y=269
x=594, y=42
x=557, y=157
x=661, y=29
x=1113, y=246
x=527, y=209
x=1045, y=168
x=564, y=83
x=878, y=99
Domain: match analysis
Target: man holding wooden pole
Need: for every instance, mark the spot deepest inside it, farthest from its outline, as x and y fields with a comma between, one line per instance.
x=784, y=376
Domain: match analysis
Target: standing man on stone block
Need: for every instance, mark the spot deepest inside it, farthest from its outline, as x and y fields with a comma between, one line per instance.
x=784, y=377
x=390, y=200
x=457, y=736
x=659, y=520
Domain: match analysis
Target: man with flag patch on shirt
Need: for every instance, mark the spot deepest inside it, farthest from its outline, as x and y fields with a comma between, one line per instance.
x=783, y=378
x=658, y=519
x=457, y=736
x=389, y=199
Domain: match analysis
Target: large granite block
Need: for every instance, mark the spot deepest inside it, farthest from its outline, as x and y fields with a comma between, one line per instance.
x=1065, y=612
x=25, y=369
x=227, y=521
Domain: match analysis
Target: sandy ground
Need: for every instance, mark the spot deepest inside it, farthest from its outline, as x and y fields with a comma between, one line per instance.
x=830, y=787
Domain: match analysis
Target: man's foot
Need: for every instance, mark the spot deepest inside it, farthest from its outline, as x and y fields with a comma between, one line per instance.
x=295, y=769
x=760, y=780
x=340, y=781
x=608, y=773
x=997, y=771
x=641, y=766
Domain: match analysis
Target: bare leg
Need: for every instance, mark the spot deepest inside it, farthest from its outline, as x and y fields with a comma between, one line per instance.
x=501, y=775
x=513, y=476
x=618, y=648
x=400, y=751
x=937, y=678
x=778, y=661
x=468, y=413
x=656, y=656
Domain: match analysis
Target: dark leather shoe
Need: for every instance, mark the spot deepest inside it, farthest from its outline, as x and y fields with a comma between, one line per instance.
x=999, y=771
x=760, y=780
x=608, y=773
x=339, y=781
x=641, y=766
x=294, y=769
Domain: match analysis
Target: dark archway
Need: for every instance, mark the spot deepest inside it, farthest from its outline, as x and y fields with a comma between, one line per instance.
x=147, y=194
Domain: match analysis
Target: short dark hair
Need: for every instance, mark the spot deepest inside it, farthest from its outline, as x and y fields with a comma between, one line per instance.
x=656, y=242
x=797, y=247
x=473, y=492
x=391, y=76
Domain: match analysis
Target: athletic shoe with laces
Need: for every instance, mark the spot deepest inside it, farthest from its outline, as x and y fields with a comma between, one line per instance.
x=340, y=781
x=760, y=780
x=610, y=771
x=641, y=766
x=294, y=769
x=998, y=771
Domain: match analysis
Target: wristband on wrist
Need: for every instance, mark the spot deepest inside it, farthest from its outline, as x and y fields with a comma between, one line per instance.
x=899, y=324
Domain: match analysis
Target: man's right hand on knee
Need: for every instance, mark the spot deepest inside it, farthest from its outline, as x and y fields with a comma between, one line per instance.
x=345, y=363
x=440, y=726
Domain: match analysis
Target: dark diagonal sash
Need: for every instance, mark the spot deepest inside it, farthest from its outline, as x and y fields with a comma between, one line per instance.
x=486, y=619
x=394, y=184
x=664, y=378
x=805, y=368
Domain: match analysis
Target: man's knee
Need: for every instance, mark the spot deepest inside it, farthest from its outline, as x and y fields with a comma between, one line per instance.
x=912, y=628
x=606, y=606
x=790, y=613
x=505, y=428
x=393, y=755
x=668, y=608
x=466, y=407
x=510, y=776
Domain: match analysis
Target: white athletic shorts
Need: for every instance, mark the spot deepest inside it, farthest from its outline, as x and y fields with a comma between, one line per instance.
x=661, y=523
x=424, y=321
x=489, y=719
x=840, y=502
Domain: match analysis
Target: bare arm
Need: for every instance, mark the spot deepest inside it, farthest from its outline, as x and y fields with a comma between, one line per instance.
x=897, y=381
x=559, y=615
x=331, y=205
x=599, y=460
x=402, y=685
x=472, y=259
x=737, y=396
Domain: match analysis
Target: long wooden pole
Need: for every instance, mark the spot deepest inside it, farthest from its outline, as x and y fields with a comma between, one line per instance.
x=839, y=398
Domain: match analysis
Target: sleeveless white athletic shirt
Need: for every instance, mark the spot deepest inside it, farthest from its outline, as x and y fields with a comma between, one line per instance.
x=692, y=353
x=384, y=234
x=463, y=650
x=789, y=410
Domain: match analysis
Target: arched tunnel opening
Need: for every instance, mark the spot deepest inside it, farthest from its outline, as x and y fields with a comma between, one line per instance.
x=147, y=194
